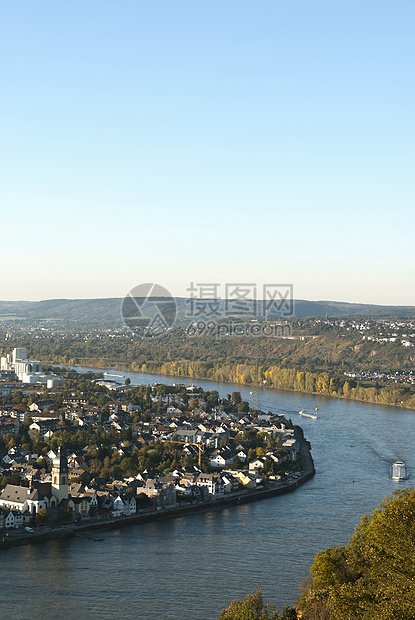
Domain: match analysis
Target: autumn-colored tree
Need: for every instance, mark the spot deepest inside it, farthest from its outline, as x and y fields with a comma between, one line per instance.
x=41, y=516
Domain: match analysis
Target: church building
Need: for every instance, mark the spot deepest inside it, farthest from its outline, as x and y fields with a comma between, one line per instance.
x=47, y=495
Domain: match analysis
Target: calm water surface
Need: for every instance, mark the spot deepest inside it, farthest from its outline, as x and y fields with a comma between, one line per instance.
x=191, y=567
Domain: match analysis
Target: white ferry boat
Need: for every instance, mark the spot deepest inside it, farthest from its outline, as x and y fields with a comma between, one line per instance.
x=308, y=415
x=399, y=471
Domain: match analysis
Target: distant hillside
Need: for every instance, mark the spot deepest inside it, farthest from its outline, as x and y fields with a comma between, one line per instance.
x=305, y=308
x=88, y=311
x=76, y=310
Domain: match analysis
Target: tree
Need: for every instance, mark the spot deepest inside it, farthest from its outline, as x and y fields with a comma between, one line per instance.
x=224, y=441
x=243, y=407
x=17, y=398
x=194, y=404
x=102, y=400
x=212, y=399
x=236, y=397
x=252, y=607
x=13, y=478
x=41, y=516
x=374, y=575
x=27, y=421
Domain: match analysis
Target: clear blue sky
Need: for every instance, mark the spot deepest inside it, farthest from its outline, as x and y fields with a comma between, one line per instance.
x=174, y=141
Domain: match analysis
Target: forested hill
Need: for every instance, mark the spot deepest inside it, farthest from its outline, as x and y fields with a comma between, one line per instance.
x=108, y=311
x=85, y=311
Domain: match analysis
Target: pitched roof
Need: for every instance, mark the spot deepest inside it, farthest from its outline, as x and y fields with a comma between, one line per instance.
x=14, y=493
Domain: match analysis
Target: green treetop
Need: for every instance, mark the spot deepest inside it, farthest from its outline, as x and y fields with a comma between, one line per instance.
x=374, y=575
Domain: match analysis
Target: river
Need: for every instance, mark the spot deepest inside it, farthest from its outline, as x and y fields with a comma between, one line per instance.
x=192, y=566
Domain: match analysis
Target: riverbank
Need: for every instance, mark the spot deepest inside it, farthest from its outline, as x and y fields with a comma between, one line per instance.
x=95, y=364
x=272, y=489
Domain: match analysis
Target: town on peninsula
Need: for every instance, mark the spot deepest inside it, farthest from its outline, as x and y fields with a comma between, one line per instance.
x=82, y=451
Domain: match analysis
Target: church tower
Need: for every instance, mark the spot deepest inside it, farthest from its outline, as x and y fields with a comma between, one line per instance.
x=60, y=476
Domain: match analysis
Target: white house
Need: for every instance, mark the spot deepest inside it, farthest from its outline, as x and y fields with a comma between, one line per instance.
x=124, y=504
x=213, y=482
x=258, y=463
x=217, y=461
x=7, y=519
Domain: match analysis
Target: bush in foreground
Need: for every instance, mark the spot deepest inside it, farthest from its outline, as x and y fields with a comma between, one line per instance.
x=252, y=607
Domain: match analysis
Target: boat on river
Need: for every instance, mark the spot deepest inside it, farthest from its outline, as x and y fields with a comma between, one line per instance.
x=307, y=415
x=399, y=471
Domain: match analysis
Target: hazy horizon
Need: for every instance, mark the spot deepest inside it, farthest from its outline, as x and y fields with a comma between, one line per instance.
x=296, y=299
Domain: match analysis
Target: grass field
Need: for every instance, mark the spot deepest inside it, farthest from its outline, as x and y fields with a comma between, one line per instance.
x=10, y=317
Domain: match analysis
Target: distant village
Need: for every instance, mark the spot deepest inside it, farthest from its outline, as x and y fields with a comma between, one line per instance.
x=95, y=447
x=380, y=332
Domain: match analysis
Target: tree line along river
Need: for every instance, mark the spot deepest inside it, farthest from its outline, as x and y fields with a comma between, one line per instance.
x=193, y=565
